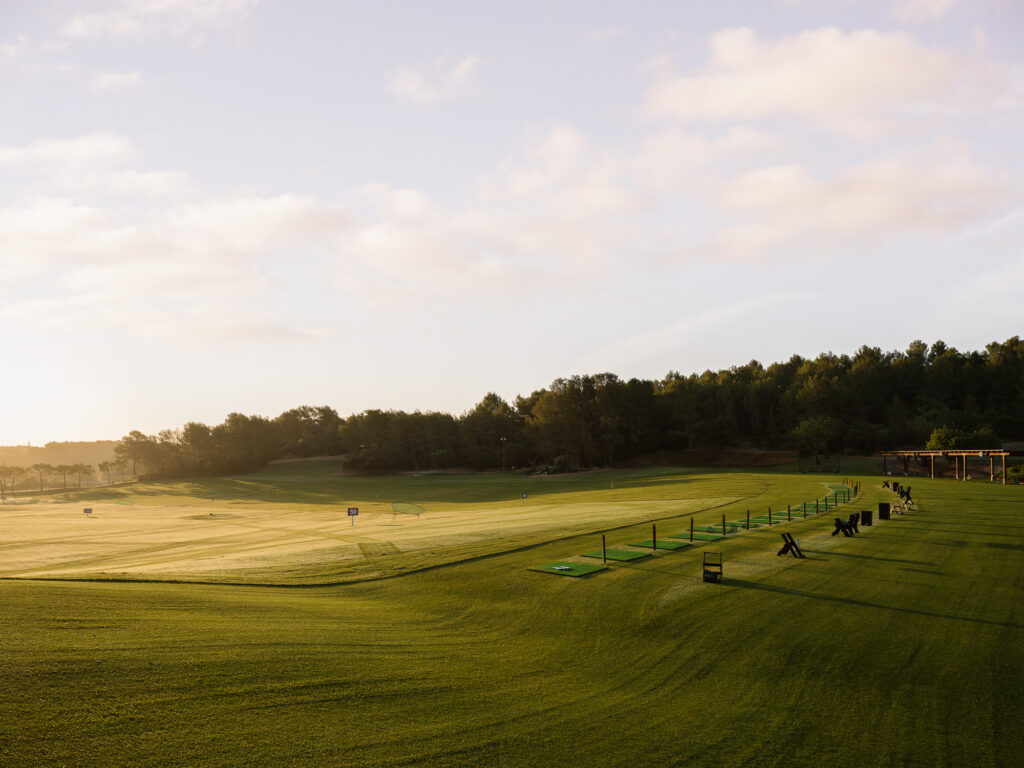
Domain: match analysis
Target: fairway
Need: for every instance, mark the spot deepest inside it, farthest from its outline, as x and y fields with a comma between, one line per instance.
x=290, y=524
x=897, y=647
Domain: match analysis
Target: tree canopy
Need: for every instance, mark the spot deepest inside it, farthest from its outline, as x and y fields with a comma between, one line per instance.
x=860, y=403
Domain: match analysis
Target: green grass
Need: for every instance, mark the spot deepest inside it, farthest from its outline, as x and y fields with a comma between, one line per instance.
x=619, y=555
x=899, y=647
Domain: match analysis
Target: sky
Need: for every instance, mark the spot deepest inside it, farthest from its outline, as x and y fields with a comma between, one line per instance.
x=210, y=206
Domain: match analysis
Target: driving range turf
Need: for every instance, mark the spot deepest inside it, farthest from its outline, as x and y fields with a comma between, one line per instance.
x=412, y=645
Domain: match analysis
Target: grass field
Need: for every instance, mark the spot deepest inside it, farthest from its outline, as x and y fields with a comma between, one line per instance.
x=903, y=646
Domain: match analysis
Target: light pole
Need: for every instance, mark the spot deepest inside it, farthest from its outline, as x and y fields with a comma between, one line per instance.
x=503, y=439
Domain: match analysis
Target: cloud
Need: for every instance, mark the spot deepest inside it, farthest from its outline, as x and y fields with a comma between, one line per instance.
x=94, y=163
x=846, y=83
x=412, y=85
x=134, y=18
x=785, y=207
x=14, y=49
x=82, y=249
x=606, y=34
x=115, y=81
x=669, y=341
x=675, y=159
x=183, y=271
x=554, y=215
x=920, y=10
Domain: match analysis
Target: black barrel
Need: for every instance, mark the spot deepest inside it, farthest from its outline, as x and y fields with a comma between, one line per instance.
x=883, y=510
x=865, y=516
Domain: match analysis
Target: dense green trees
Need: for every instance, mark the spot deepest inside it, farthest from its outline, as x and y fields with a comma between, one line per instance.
x=862, y=403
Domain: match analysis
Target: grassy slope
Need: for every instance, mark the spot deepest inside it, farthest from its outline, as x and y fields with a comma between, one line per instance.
x=901, y=647
x=467, y=516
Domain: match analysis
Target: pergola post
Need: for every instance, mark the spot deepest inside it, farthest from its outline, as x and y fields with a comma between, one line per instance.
x=1004, y=469
x=906, y=466
x=991, y=468
x=932, y=457
x=885, y=461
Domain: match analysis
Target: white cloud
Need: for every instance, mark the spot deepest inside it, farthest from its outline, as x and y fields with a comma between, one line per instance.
x=920, y=10
x=606, y=34
x=675, y=159
x=669, y=341
x=848, y=83
x=133, y=18
x=93, y=149
x=785, y=208
x=97, y=163
x=412, y=85
x=14, y=49
x=115, y=81
x=186, y=271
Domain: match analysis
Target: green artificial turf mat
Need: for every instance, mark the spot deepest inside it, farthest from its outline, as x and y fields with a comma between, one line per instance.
x=619, y=554
x=697, y=536
x=662, y=544
x=567, y=569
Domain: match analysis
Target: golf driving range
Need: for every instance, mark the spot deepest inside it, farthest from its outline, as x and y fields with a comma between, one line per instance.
x=248, y=621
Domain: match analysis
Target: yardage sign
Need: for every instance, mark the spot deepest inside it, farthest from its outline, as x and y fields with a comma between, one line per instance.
x=87, y=510
x=353, y=511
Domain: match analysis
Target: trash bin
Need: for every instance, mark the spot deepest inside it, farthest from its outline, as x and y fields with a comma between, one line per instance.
x=883, y=510
x=865, y=517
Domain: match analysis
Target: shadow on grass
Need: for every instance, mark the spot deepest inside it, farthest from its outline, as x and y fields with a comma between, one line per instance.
x=865, y=604
x=328, y=487
x=870, y=557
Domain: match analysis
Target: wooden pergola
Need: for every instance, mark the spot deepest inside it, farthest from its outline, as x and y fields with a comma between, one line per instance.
x=960, y=458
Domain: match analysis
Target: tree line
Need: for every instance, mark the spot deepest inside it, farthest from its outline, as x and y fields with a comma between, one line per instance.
x=36, y=475
x=861, y=403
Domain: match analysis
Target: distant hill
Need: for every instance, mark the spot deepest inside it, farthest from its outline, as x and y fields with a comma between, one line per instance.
x=58, y=453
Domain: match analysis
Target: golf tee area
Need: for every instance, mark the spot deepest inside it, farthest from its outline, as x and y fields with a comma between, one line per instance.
x=251, y=621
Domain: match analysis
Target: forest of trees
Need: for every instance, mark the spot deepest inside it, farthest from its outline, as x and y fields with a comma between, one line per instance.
x=873, y=400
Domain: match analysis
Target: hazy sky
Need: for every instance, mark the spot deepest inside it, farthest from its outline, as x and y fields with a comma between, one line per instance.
x=247, y=205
